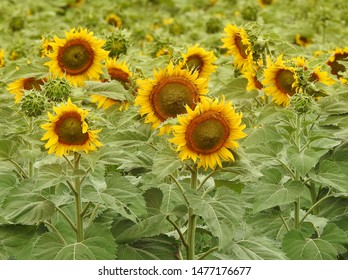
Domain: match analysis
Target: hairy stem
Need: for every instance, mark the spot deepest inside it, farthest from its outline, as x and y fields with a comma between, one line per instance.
x=192, y=220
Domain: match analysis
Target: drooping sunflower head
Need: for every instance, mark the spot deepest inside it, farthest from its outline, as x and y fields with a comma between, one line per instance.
x=18, y=87
x=338, y=55
x=280, y=81
x=237, y=44
x=114, y=20
x=251, y=75
x=316, y=74
x=46, y=46
x=198, y=59
x=68, y=130
x=118, y=71
x=77, y=57
x=265, y=3
x=208, y=133
x=303, y=41
x=117, y=43
x=167, y=94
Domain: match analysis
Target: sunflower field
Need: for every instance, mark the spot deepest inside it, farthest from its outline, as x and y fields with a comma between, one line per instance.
x=174, y=130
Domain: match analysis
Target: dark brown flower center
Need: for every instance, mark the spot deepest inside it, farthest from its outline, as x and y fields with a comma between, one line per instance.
x=170, y=95
x=118, y=75
x=207, y=133
x=33, y=83
x=75, y=57
x=337, y=67
x=241, y=47
x=284, y=80
x=195, y=62
x=69, y=129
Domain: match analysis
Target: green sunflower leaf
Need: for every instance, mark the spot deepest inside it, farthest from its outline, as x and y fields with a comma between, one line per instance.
x=333, y=174
x=254, y=248
x=111, y=89
x=27, y=208
x=166, y=162
x=124, y=197
x=270, y=195
x=14, y=241
x=159, y=247
x=7, y=183
x=262, y=135
x=8, y=149
x=325, y=247
x=147, y=227
x=98, y=244
x=305, y=160
x=222, y=213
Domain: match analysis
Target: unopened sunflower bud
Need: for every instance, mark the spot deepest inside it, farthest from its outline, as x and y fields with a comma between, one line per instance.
x=57, y=89
x=33, y=103
x=302, y=103
x=17, y=23
x=117, y=43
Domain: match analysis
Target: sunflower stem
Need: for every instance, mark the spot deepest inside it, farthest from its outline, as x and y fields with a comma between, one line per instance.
x=297, y=213
x=78, y=203
x=60, y=237
x=181, y=235
x=192, y=219
x=314, y=206
x=19, y=168
x=31, y=164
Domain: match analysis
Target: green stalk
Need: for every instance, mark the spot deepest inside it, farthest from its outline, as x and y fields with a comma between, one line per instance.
x=297, y=213
x=78, y=203
x=192, y=220
x=31, y=164
x=313, y=193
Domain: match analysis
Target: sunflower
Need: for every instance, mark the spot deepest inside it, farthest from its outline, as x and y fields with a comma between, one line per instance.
x=303, y=41
x=238, y=45
x=2, y=58
x=118, y=71
x=68, y=131
x=280, y=81
x=46, y=46
x=264, y=3
x=198, y=59
x=77, y=57
x=316, y=74
x=167, y=94
x=251, y=75
x=208, y=133
x=114, y=20
x=19, y=86
x=338, y=55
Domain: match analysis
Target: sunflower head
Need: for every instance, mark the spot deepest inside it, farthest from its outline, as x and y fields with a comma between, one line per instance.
x=200, y=60
x=334, y=61
x=68, y=130
x=117, y=43
x=237, y=44
x=57, y=89
x=208, y=133
x=33, y=103
x=280, y=81
x=167, y=94
x=303, y=41
x=265, y=3
x=46, y=46
x=2, y=58
x=114, y=20
x=18, y=87
x=77, y=57
x=120, y=72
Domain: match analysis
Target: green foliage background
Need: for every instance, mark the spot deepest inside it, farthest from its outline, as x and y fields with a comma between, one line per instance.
x=245, y=210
